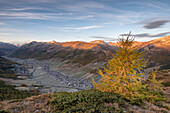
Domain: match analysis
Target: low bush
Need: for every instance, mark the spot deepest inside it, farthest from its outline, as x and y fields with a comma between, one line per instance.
x=87, y=101
x=8, y=92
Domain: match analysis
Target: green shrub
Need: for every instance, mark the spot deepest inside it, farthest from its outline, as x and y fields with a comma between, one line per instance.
x=164, y=71
x=8, y=92
x=3, y=111
x=166, y=74
x=87, y=101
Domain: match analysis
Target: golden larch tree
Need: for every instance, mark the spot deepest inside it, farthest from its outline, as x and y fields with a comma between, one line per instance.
x=123, y=73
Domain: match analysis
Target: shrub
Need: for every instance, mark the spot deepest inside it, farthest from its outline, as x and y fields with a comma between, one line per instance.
x=8, y=92
x=166, y=74
x=87, y=101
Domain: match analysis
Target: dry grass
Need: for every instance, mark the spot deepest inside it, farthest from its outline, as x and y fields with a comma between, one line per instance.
x=38, y=104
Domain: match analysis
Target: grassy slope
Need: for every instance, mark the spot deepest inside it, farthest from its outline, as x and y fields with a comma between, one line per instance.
x=89, y=101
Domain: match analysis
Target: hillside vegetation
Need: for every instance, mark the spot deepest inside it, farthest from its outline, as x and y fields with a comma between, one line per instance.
x=8, y=92
x=86, y=101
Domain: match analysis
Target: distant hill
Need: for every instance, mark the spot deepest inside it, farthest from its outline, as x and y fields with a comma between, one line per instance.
x=7, y=48
x=158, y=51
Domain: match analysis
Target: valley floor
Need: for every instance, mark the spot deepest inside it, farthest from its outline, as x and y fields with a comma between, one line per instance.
x=45, y=79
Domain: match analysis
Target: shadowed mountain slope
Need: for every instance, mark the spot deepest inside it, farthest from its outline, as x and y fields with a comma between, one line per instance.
x=158, y=51
x=6, y=48
x=76, y=52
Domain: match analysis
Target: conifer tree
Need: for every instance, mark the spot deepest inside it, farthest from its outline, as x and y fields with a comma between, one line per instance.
x=123, y=74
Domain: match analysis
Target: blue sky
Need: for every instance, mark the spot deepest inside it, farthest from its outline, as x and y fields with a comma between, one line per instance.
x=83, y=20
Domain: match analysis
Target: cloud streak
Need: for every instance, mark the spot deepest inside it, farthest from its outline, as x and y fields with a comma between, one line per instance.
x=85, y=6
x=26, y=8
x=104, y=38
x=156, y=24
x=29, y=15
x=147, y=35
x=80, y=28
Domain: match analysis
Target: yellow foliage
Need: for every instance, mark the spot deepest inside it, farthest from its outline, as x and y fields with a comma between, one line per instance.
x=123, y=74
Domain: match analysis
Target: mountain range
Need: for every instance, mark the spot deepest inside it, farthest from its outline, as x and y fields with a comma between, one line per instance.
x=83, y=53
x=81, y=59
x=76, y=58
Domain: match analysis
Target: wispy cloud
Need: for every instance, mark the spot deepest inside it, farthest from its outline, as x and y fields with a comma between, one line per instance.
x=84, y=6
x=44, y=16
x=8, y=29
x=29, y=15
x=147, y=35
x=158, y=4
x=161, y=34
x=80, y=28
x=104, y=38
x=25, y=8
x=156, y=24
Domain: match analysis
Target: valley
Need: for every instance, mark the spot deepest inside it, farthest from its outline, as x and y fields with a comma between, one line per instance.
x=69, y=66
x=46, y=80
x=63, y=82
x=61, y=74
x=84, y=56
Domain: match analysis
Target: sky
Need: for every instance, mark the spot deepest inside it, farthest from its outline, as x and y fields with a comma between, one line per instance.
x=83, y=20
